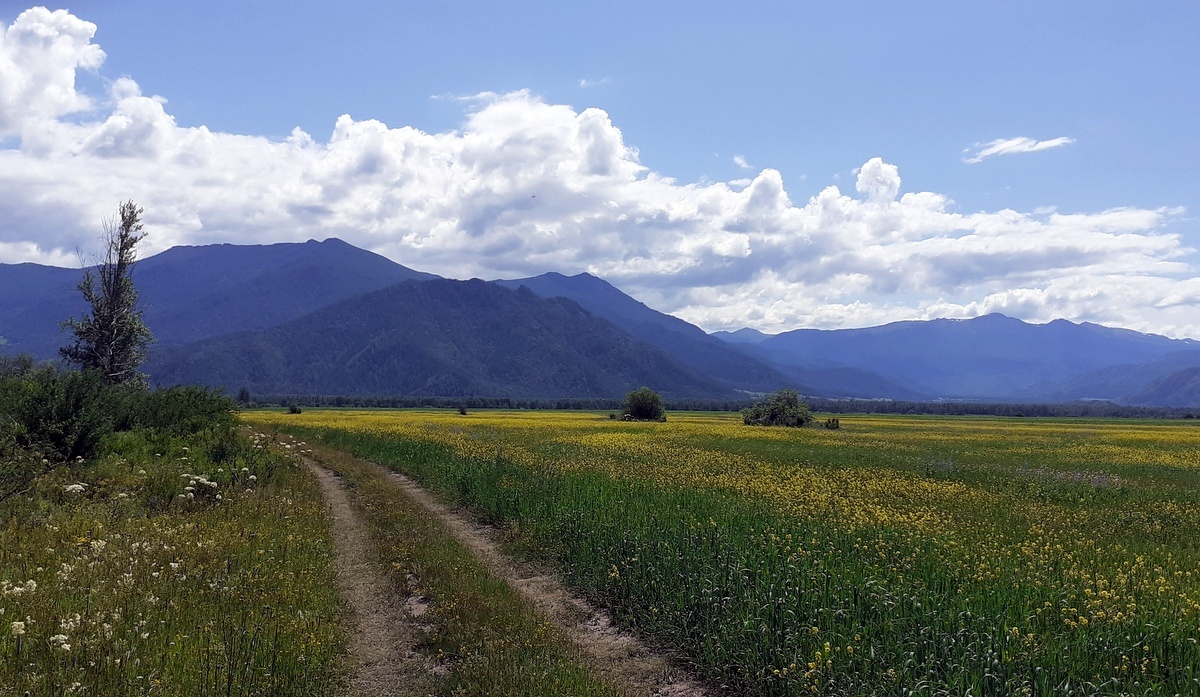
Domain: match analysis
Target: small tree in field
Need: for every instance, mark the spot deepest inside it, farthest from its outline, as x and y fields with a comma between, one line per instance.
x=644, y=404
x=782, y=408
x=112, y=339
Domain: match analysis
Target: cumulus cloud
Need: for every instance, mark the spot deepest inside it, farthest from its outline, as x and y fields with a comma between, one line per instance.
x=39, y=54
x=1010, y=146
x=523, y=186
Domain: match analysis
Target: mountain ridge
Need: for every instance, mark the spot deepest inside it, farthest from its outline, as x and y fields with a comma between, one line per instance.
x=435, y=338
x=199, y=294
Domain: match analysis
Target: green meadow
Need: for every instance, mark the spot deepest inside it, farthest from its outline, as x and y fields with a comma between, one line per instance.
x=894, y=556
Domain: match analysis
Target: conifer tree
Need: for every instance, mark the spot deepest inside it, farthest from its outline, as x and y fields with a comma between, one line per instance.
x=112, y=338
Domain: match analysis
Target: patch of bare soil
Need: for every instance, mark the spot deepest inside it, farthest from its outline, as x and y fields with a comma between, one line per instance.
x=619, y=656
x=384, y=662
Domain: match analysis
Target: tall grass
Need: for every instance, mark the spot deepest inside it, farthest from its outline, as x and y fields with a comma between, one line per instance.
x=930, y=556
x=176, y=565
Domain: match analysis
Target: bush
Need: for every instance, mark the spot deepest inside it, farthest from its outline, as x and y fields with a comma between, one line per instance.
x=177, y=410
x=782, y=408
x=63, y=416
x=644, y=404
x=833, y=424
x=66, y=414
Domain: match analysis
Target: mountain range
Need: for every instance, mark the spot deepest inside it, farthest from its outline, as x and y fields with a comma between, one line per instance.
x=329, y=318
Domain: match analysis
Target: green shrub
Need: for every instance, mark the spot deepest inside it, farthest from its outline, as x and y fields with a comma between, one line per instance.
x=833, y=424
x=178, y=410
x=65, y=413
x=644, y=404
x=782, y=408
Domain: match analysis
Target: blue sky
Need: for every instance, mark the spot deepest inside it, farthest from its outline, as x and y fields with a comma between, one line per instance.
x=1025, y=157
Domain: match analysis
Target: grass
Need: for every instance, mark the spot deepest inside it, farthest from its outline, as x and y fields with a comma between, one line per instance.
x=895, y=556
x=174, y=566
x=488, y=637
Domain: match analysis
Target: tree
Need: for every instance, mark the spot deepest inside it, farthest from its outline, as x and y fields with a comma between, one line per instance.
x=644, y=404
x=112, y=339
x=782, y=408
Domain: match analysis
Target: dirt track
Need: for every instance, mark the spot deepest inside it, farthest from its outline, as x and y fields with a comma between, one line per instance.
x=381, y=647
x=383, y=662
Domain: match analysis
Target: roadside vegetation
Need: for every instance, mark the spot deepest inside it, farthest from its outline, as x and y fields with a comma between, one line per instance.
x=892, y=555
x=177, y=558
x=146, y=546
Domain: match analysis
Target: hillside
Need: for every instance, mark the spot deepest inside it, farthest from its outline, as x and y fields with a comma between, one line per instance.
x=686, y=342
x=441, y=337
x=190, y=293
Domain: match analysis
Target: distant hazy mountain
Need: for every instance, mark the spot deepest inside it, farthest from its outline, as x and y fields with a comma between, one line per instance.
x=1163, y=381
x=190, y=293
x=745, y=335
x=686, y=342
x=988, y=358
x=447, y=338
x=33, y=300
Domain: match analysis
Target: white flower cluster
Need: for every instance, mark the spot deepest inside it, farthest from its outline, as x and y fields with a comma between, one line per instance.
x=198, y=486
x=8, y=588
x=76, y=488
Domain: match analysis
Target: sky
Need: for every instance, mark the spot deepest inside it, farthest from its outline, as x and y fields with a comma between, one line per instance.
x=776, y=165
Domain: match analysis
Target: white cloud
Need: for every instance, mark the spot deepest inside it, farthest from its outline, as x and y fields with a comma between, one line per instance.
x=522, y=187
x=740, y=161
x=585, y=83
x=39, y=53
x=1010, y=146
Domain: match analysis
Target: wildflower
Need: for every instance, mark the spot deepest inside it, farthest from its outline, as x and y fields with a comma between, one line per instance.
x=59, y=641
x=18, y=628
x=76, y=488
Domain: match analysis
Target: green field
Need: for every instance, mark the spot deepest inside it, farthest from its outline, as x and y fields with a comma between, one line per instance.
x=897, y=555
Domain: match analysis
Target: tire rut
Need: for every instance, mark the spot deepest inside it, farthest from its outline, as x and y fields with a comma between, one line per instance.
x=618, y=655
x=383, y=660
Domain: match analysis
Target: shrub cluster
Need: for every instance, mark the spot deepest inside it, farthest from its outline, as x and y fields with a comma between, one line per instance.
x=644, y=404
x=49, y=417
x=782, y=408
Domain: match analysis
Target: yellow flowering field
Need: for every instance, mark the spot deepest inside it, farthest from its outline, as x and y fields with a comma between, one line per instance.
x=959, y=553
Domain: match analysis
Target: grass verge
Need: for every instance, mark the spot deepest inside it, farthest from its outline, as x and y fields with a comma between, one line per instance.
x=196, y=565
